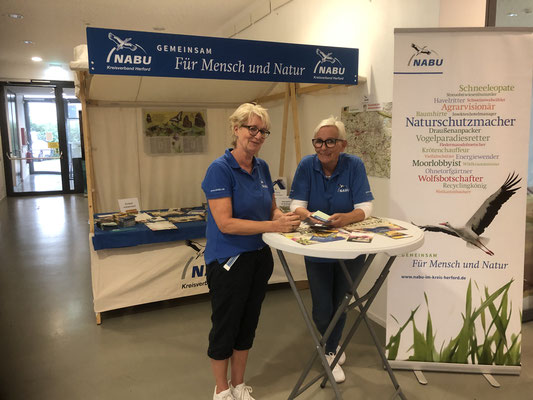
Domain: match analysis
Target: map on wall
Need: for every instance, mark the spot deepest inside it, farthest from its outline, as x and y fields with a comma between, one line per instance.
x=174, y=132
x=369, y=131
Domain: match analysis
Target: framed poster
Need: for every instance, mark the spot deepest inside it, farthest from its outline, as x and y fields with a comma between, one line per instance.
x=174, y=131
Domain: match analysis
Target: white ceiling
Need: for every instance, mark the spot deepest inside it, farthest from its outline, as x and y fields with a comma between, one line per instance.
x=57, y=26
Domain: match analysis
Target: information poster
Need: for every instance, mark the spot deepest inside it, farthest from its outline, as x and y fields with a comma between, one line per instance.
x=174, y=132
x=459, y=171
x=369, y=132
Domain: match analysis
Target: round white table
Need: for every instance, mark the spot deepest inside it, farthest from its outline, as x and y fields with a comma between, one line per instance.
x=344, y=250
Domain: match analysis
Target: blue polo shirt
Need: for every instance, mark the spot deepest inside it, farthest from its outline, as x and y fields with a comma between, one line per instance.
x=251, y=198
x=348, y=185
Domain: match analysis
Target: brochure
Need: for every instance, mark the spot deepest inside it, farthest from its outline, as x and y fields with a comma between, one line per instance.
x=395, y=234
x=316, y=237
x=319, y=215
x=161, y=225
x=360, y=232
x=381, y=226
x=360, y=237
x=324, y=239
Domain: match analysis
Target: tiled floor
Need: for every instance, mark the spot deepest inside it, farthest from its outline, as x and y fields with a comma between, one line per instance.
x=51, y=347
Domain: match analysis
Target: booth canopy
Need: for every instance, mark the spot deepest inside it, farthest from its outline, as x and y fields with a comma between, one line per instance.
x=148, y=89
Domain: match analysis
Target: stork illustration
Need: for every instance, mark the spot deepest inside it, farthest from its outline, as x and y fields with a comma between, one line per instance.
x=123, y=44
x=482, y=218
x=326, y=57
x=420, y=49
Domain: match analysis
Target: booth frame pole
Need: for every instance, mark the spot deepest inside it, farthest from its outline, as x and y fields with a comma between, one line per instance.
x=295, y=123
x=284, y=131
x=84, y=89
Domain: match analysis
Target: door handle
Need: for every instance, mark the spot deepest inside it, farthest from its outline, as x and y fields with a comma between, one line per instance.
x=11, y=158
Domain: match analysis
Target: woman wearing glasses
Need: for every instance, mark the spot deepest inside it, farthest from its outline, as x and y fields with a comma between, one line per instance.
x=335, y=183
x=242, y=206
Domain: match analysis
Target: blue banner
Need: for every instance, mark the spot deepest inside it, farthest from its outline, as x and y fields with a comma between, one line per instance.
x=119, y=52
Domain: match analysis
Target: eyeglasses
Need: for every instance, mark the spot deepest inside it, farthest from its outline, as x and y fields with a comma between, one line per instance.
x=329, y=142
x=254, y=130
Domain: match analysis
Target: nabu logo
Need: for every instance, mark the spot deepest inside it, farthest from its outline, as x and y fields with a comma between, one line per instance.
x=424, y=57
x=198, y=270
x=328, y=65
x=343, y=189
x=118, y=57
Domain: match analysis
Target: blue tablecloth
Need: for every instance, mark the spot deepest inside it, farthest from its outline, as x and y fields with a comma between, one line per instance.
x=141, y=234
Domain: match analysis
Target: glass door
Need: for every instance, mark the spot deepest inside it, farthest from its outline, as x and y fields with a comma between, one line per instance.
x=42, y=137
x=75, y=154
x=43, y=156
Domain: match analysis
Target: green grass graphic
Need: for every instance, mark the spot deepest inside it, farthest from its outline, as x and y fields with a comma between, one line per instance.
x=495, y=348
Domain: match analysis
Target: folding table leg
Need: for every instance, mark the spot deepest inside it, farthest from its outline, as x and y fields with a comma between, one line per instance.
x=384, y=360
x=295, y=392
x=343, y=307
x=363, y=309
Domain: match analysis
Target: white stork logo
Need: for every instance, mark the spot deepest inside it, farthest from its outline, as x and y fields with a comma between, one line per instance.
x=482, y=218
x=322, y=67
x=424, y=57
x=122, y=45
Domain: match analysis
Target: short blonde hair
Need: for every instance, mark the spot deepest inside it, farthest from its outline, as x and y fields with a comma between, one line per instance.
x=243, y=114
x=332, y=121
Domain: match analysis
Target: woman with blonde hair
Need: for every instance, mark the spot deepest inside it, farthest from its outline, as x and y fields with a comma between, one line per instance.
x=241, y=206
x=335, y=183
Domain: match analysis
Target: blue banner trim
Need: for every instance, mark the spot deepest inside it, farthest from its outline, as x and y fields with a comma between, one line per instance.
x=121, y=52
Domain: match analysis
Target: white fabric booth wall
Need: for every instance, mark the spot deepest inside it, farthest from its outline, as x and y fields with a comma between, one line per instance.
x=121, y=167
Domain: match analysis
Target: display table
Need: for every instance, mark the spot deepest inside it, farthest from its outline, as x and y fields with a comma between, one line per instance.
x=343, y=250
x=135, y=266
x=141, y=234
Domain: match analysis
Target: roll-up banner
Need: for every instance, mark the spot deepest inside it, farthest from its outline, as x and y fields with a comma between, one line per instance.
x=462, y=101
x=120, y=52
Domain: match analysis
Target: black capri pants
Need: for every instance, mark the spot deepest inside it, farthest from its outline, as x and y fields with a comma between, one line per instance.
x=236, y=299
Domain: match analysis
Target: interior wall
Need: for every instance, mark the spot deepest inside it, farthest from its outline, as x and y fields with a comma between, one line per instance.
x=369, y=26
x=455, y=13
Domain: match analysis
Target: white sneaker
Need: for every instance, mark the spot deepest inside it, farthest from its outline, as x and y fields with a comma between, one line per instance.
x=342, y=358
x=241, y=392
x=338, y=373
x=224, y=395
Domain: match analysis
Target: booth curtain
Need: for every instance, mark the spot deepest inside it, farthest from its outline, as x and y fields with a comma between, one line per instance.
x=122, y=169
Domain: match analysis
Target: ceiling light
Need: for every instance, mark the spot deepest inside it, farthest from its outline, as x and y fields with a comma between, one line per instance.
x=16, y=16
x=57, y=73
x=36, y=59
x=28, y=42
x=511, y=14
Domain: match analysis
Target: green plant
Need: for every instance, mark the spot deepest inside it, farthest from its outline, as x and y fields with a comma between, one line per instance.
x=464, y=348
